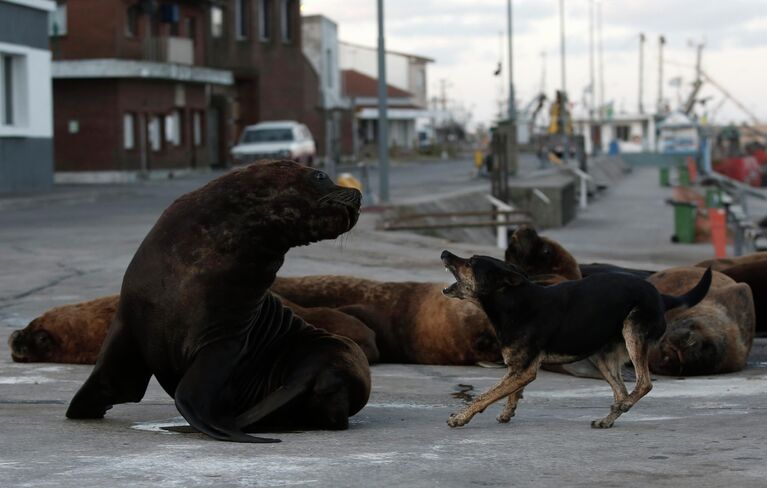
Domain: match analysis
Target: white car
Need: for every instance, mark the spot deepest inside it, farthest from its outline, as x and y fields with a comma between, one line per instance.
x=275, y=140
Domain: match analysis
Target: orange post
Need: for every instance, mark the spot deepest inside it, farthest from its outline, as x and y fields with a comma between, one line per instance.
x=692, y=169
x=718, y=220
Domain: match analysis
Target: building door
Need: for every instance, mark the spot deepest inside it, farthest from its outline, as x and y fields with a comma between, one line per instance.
x=214, y=139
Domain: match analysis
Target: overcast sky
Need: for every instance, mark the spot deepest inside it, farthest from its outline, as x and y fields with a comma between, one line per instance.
x=463, y=37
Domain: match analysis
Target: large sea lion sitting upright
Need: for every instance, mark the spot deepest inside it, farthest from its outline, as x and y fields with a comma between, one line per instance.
x=195, y=312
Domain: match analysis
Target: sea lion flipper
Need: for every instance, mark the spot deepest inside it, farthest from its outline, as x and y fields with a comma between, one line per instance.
x=203, y=398
x=111, y=382
x=277, y=399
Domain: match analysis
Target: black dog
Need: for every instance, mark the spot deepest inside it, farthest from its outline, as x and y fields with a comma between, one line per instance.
x=604, y=316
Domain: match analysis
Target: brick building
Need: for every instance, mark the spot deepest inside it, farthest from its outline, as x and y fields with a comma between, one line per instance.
x=155, y=85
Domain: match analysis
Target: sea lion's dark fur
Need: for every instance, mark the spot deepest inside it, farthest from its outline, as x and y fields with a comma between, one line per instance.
x=196, y=313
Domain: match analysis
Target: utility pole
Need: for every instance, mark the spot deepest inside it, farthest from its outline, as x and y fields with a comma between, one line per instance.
x=563, y=98
x=661, y=43
x=641, y=71
x=592, y=86
x=512, y=162
x=543, y=72
x=383, y=121
x=601, y=63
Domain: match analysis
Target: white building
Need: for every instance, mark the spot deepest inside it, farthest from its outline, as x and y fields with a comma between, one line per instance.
x=633, y=133
x=26, y=105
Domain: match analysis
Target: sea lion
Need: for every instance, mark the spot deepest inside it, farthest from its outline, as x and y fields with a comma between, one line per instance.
x=540, y=256
x=413, y=322
x=752, y=270
x=196, y=313
x=67, y=334
x=713, y=337
x=75, y=333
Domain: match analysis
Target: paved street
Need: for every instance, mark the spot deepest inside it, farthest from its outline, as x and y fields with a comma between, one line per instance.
x=707, y=431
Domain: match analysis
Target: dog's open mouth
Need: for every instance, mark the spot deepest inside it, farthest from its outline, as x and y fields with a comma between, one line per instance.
x=448, y=259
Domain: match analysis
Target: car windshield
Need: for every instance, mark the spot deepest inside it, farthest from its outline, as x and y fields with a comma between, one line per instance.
x=267, y=135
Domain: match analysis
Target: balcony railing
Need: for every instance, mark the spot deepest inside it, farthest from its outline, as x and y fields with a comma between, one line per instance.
x=178, y=50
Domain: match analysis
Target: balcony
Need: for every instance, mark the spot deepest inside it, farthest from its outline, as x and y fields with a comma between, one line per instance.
x=179, y=50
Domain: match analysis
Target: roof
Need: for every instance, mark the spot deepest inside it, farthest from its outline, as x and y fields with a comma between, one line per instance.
x=358, y=84
x=399, y=53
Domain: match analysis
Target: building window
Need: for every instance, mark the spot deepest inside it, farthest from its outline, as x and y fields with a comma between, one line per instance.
x=129, y=140
x=241, y=18
x=191, y=28
x=622, y=132
x=57, y=20
x=131, y=21
x=286, y=19
x=216, y=21
x=155, y=133
x=173, y=128
x=264, y=19
x=329, y=68
x=197, y=129
x=13, y=90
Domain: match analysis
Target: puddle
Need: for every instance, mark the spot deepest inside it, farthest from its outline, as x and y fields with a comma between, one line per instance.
x=462, y=392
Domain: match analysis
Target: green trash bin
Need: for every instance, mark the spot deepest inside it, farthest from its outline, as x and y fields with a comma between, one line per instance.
x=713, y=198
x=684, y=176
x=684, y=221
x=665, y=180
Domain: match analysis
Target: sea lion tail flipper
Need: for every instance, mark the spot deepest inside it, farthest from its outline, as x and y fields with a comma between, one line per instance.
x=275, y=400
x=201, y=395
x=692, y=297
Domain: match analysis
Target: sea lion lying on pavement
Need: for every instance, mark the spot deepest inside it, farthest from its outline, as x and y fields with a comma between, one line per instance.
x=717, y=329
x=195, y=311
x=413, y=322
x=752, y=270
x=68, y=334
x=75, y=333
x=712, y=338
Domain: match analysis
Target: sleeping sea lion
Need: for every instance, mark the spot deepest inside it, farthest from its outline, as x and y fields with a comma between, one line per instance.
x=75, y=333
x=196, y=313
x=68, y=334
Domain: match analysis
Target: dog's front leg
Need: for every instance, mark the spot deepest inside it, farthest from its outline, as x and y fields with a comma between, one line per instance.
x=510, y=384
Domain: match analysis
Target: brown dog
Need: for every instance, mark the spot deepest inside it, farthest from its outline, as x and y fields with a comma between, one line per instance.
x=74, y=333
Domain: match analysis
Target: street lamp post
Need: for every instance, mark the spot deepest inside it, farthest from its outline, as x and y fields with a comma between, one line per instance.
x=383, y=123
x=512, y=162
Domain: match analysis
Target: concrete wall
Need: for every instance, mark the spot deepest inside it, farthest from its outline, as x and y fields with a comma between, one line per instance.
x=26, y=164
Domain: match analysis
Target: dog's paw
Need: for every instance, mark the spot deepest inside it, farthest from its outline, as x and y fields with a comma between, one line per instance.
x=602, y=424
x=504, y=418
x=457, y=420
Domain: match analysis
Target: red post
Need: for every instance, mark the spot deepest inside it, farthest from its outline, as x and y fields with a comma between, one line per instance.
x=718, y=220
x=692, y=169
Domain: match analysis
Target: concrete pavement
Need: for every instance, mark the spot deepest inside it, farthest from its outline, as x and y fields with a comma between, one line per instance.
x=707, y=431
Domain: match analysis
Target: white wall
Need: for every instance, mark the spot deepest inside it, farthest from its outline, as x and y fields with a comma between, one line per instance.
x=36, y=99
x=365, y=60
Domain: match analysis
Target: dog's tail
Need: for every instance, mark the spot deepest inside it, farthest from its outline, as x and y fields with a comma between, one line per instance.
x=692, y=297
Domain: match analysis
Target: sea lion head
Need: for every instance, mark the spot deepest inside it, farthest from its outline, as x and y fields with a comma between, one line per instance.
x=538, y=255
x=283, y=203
x=690, y=347
x=33, y=344
x=479, y=276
